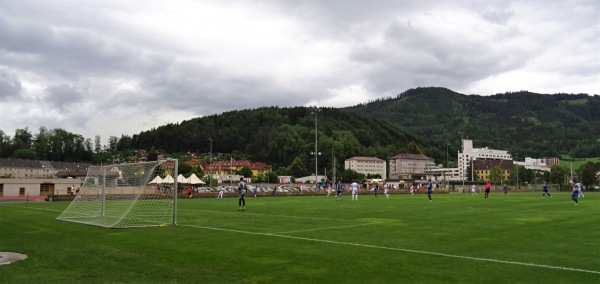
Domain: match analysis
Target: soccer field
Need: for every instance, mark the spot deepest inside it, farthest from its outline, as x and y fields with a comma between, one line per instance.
x=519, y=238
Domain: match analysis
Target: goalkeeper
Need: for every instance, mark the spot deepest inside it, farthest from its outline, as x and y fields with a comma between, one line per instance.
x=242, y=191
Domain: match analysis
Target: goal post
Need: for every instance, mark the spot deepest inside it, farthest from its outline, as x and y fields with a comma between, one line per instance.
x=126, y=195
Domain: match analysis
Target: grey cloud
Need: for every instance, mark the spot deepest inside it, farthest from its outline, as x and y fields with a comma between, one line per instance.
x=62, y=96
x=10, y=85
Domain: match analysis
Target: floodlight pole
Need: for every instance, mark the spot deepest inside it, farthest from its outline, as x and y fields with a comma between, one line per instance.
x=447, y=167
x=316, y=149
x=210, y=165
x=463, y=159
x=517, y=170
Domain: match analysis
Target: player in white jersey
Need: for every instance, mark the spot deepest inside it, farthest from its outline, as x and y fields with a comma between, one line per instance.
x=354, y=187
x=385, y=190
x=474, y=190
x=221, y=191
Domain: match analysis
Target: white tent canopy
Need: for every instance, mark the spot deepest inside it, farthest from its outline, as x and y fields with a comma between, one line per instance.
x=168, y=179
x=157, y=180
x=193, y=179
x=181, y=179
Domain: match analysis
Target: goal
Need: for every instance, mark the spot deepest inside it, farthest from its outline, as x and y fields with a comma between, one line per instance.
x=126, y=195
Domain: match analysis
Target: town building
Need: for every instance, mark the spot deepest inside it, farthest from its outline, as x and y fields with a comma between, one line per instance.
x=470, y=154
x=482, y=169
x=411, y=166
x=366, y=166
x=21, y=169
x=225, y=170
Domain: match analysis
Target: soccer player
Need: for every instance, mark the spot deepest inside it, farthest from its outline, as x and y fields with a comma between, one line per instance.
x=488, y=186
x=242, y=192
x=412, y=189
x=340, y=187
x=576, y=189
x=376, y=189
x=221, y=191
x=189, y=192
x=354, y=186
x=385, y=190
x=255, y=191
x=545, y=190
x=429, y=188
x=505, y=189
x=328, y=190
x=473, y=190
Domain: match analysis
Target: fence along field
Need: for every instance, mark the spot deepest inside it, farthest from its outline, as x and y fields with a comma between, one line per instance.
x=456, y=238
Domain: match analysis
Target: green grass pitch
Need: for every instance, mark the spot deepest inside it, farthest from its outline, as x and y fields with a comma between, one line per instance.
x=457, y=238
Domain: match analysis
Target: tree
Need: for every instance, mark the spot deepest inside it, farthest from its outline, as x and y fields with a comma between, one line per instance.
x=297, y=168
x=587, y=173
x=558, y=175
x=353, y=176
x=496, y=174
x=271, y=177
x=23, y=139
x=97, y=144
x=41, y=144
x=245, y=171
x=26, y=154
x=184, y=169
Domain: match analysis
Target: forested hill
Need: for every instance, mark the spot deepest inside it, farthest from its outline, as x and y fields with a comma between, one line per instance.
x=278, y=135
x=522, y=122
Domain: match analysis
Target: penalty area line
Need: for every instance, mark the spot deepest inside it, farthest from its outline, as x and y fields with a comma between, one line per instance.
x=34, y=208
x=325, y=228
x=402, y=250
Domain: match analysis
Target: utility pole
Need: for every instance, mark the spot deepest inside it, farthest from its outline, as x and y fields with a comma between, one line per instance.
x=447, y=166
x=210, y=164
x=316, y=153
x=462, y=165
x=517, y=171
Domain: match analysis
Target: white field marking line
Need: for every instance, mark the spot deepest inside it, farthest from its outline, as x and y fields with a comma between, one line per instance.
x=325, y=228
x=259, y=214
x=32, y=208
x=403, y=250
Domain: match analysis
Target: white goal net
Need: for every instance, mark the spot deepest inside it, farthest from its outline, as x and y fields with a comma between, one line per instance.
x=126, y=195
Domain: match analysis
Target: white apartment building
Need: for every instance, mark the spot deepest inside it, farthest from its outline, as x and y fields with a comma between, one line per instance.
x=469, y=154
x=366, y=165
x=448, y=174
x=410, y=166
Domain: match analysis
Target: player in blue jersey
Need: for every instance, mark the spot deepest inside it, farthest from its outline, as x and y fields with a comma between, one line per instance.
x=505, y=189
x=340, y=187
x=376, y=189
x=576, y=189
x=545, y=190
x=429, y=189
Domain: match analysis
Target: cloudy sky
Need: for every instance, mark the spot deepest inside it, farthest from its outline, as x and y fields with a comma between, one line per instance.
x=121, y=67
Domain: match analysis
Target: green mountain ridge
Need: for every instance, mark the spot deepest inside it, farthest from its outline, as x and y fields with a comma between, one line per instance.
x=530, y=124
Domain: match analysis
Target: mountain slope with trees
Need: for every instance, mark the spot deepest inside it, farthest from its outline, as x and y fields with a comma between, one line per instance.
x=530, y=124
x=527, y=123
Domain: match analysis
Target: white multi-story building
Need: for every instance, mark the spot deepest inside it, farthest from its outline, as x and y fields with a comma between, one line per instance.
x=448, y=174
x=410, y=166
x=366, y=165
x=469, y=154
